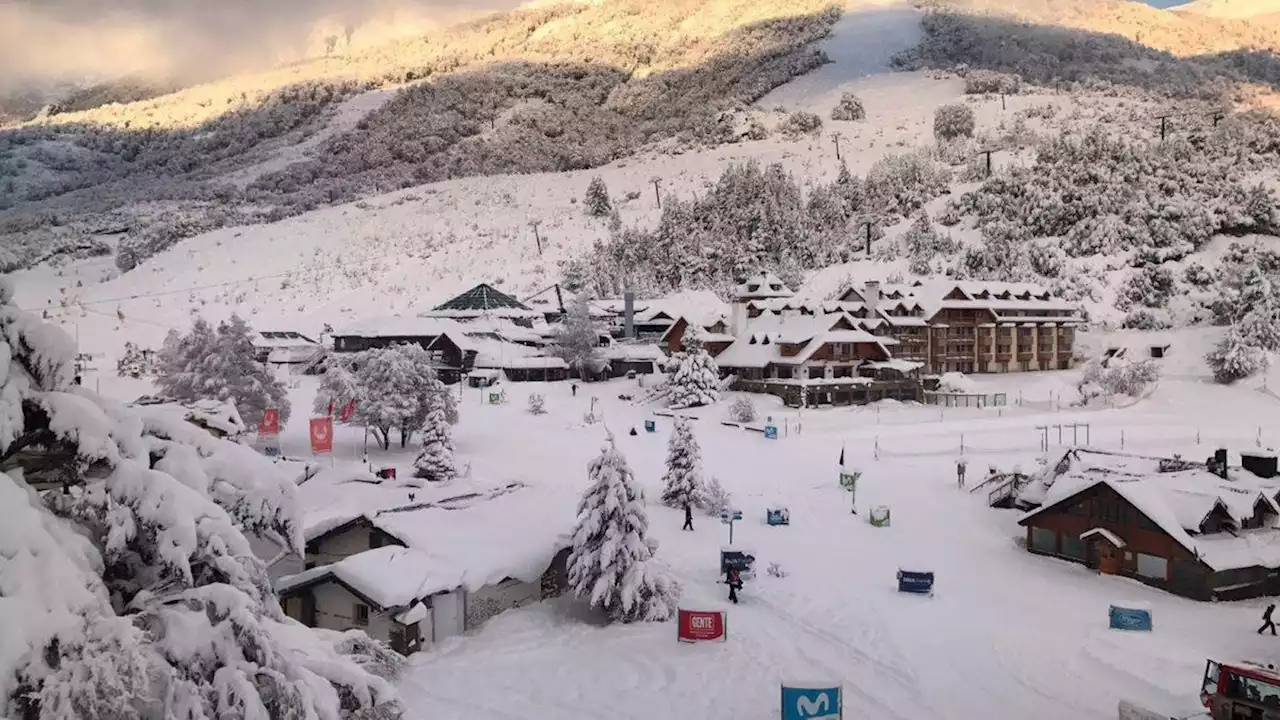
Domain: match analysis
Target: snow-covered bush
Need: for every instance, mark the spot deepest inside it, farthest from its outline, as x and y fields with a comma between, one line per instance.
x=1143, y=319
x=537, y=404
x=577, y=339
x=1197, y=275
x=849, y=108
x=775, y=570
x=924, y=243
x=1047, y=258
x=1132, y=379
x=692, y=374
x=801, y=123
x=902, y=184
x=612, y=564
x=742, y=410
x=136, y=362
x=596, y=201
x=123, y=584
x=682, y=483
x=954, y=121
x=220, y=364
x=983, y=82
x=717, y=499
x=756, y=130
x=1150, y=286
x=1233, y=358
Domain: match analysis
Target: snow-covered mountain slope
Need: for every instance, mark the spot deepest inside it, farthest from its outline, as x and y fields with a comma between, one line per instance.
x=1236, y=9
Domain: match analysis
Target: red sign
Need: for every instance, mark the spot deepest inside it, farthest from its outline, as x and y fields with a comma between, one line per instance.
x=701, y=625
x=321, y=435
x=348, y=411
x=270, y=424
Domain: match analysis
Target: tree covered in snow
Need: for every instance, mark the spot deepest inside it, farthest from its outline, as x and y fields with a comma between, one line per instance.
x=1260, y=319
x=742, y=409
x=135, y=362
x=537, y=404
x=924, y=243
x=953, y=121
x=577, y=339
x=435, y=462
x=596, y=201
x=1234, y=358
x=393, y=389
x=683, y=479
x=220, y=364
x=692, y=375
x=1117, y=378
x=130, y=589
x=715, y=498
x=612, y=561
x=849, y=108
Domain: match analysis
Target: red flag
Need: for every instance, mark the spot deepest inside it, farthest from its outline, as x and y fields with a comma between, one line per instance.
x=330, y=408
x=270, y=424
x=321, y=435
x=349, y=410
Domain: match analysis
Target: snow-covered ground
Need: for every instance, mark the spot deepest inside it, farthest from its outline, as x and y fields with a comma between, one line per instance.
x=1007, y=634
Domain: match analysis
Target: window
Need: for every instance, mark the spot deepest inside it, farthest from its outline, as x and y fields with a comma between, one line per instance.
x=1072, y=547
x=362, y=614
x=1045, y=541
x=1153, y=566
x=375, y=539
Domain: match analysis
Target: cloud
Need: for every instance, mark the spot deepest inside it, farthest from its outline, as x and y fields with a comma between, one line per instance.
x=43, y=42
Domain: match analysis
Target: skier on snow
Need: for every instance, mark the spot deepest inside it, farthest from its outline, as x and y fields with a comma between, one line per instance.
x=1266, y=619
x=960, y=466
x=688, y=517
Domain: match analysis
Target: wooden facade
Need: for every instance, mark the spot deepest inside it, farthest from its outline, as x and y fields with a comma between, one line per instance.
x=1099, y=528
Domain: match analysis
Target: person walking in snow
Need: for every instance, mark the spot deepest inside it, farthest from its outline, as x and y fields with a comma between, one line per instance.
x=734, y=580
x=960, y=466
x=573, y=387
x=688, y=517
x=1266, y=619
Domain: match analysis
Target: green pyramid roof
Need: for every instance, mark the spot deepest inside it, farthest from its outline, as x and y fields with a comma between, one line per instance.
x=482, y=298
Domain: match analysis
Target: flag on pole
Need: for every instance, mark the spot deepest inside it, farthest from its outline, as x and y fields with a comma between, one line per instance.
x=849, y=481
x=841, y=456
x=348, y=410
x=330, y=413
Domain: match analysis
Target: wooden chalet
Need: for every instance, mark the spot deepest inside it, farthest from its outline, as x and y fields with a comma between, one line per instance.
x=1168, y=524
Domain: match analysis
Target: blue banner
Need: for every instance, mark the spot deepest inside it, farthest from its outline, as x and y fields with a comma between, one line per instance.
x=771, y=432
x=1130, y=619
x=811, y=703
x=778, y=517
x=650, y=426
x=915, y=582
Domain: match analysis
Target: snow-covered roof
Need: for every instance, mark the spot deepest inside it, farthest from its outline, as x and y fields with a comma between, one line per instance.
x=762, y=285
x=533, y=362
x=1103, y=533
x=1000, y=298
x=1177, y=502
x=902, y=366
x=634, y=351
x=760, y=342
x=294, y=355
x=282, y=339
x=483, y=300
x=469, y=541
x=401, y=326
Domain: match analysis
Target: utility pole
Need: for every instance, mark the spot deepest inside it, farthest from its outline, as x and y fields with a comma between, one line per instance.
x=537, y=239
x=657, y=194
x=1164, y=125
x=1003, y=104
x=987, y=153
x=868, y=225
x=835, y=137
x=1217, y=117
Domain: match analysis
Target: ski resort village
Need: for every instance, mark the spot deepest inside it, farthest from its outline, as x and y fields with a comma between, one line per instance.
x=623, y=360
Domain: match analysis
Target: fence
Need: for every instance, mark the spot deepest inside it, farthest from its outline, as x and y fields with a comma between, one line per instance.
x=1193, y=443
x=965, y=400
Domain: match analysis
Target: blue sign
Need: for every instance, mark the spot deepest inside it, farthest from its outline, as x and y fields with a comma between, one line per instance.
x=811, y=703
x=778, y=517
x=727, y=516
x=650, y=426
x=1130, y=619
x=915, y=582
x=771, y=432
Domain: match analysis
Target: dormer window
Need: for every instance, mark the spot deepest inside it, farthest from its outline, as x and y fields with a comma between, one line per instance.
x=753, y=288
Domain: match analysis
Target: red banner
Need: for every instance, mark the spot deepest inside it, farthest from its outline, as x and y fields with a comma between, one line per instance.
x=270, y=424
x=348, y=411
x=701, y=626
x=321, y=435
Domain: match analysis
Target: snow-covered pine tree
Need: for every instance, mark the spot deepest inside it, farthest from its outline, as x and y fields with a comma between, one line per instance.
x=693, y=377
x=611, y=563
x=717, y=499
x=435, y=462
x=1233, y=358
x=130, y=589
x=596, y=201
x=427, y=390
x=1260, y=323
x=577, y=339
x=220, y=365
x=683, y=479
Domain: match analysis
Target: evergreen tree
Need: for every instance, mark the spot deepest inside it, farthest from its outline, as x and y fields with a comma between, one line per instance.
x=435, y=462
x=1233, y=358
x=220, y=365
x=578, y=338
x=596, y=201
x=611, y=563
x=132, y=591
x=1260, y=321
x=683, y=479
x=693, y=376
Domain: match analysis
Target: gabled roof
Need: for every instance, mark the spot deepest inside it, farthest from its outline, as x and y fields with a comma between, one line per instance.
x=481, y=300
x=763, y=285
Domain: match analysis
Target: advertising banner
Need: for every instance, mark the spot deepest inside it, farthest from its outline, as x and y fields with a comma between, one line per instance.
x=321, y=435
x=811, y=701
x=1123, y=618
x=915, y=582
x=701, y=626
x=270, y=424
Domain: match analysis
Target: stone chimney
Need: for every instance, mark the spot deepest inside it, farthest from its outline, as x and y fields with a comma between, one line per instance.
x=871, y=295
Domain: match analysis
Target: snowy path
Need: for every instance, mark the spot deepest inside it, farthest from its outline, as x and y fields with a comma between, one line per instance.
x=1007, y=634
